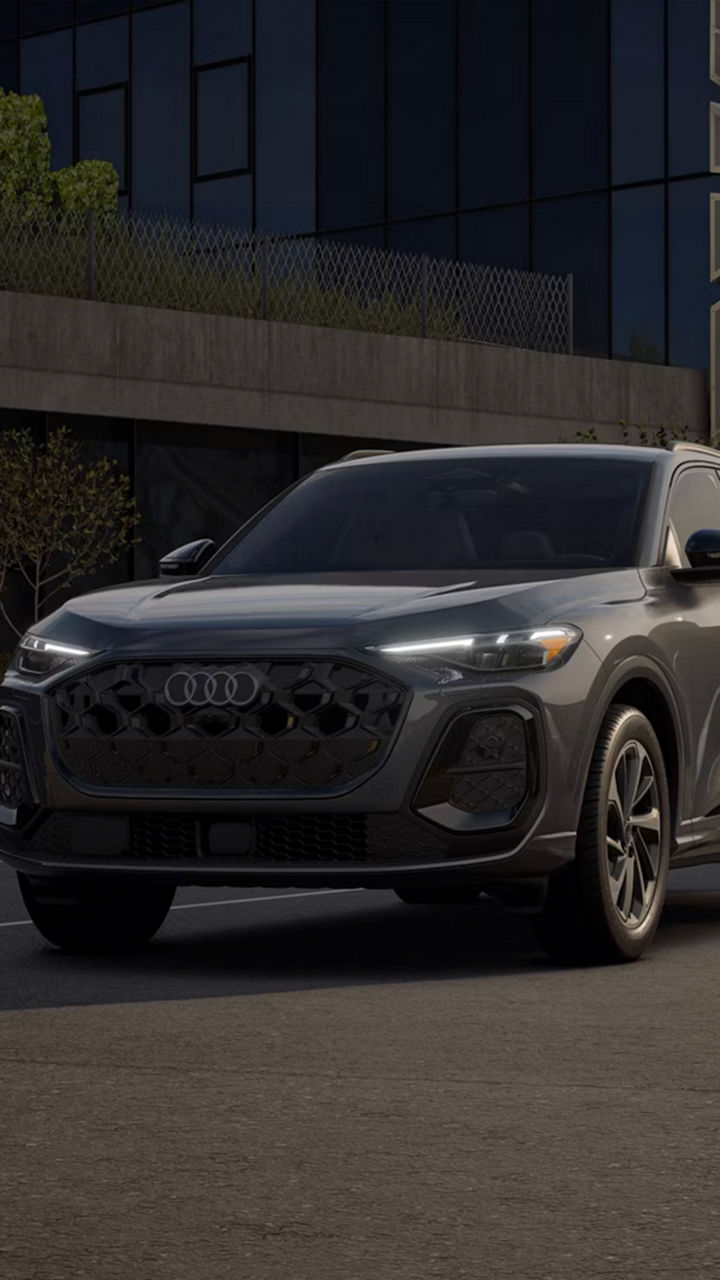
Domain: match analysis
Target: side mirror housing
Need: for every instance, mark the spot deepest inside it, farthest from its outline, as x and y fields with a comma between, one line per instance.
x=703, y=549
x=187, y=560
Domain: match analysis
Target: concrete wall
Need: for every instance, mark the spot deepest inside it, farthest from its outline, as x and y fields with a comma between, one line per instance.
x=72, y=356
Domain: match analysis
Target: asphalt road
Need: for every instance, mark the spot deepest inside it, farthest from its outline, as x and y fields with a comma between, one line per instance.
x=337, y=1087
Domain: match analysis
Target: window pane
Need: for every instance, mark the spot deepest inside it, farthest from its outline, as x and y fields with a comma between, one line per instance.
x=691, y=293
x=493, y=52
x=8, y=66
x=224, y=201
x=222, y=121
x=8, y=19
x=638, y=52
x=694, y=503
x=285, y=106
x=43, y=15
x=503, y=511
x=572, y=235
x=101, y=129
x=638, y=246
x=101, y=53
x=421, y=107
x=569, y=95
x=433, y=236
x=497, y=237
x=222, y=29
x=46, y=68
x=352, y=124
x=204, y=483
x=99, y=8
x=161, y=110
x=689, y=86
x=369, y=237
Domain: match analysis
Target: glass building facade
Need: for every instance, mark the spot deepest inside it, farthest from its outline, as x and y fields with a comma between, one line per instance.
x=555, y=135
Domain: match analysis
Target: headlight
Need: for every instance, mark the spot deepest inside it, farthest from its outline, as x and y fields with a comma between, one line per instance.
x=531, y=650
x=37, y=657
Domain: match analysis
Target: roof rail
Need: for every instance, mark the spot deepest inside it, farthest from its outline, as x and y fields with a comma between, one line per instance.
x=365, y=453
x=678, y=446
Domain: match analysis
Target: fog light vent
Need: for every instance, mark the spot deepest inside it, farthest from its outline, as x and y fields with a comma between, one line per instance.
x=482, y=768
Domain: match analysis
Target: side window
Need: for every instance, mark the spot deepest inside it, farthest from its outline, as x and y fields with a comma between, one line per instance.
x=694, y=504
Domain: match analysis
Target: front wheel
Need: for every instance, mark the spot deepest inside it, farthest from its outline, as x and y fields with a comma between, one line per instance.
x=95, y=914
x=606, y=905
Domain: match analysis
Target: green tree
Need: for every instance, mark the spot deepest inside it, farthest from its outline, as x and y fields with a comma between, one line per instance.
x=61, y=517
x=29, y=188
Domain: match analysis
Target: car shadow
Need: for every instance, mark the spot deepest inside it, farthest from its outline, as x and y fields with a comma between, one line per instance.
x=363, y=939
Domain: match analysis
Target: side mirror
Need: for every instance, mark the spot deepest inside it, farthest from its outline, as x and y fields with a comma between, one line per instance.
x=703, y=549
x=188, y=560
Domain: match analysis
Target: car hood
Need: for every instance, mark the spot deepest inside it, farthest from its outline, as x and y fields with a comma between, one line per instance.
x=217, y=614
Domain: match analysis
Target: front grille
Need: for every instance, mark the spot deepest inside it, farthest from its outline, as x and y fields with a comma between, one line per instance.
x=286, y=726
x=290, y=839
x=481, y=767
x=15, y=795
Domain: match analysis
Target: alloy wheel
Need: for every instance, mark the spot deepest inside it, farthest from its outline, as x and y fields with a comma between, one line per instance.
x=634, y=837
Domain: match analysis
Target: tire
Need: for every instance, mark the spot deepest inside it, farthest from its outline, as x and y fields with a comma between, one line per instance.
x=447, y=895
x=95, y=915
x=606, y=905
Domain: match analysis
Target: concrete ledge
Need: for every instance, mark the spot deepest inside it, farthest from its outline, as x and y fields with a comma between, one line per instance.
x=74, y=356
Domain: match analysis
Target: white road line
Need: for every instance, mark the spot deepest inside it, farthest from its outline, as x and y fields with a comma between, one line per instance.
x=223, y=902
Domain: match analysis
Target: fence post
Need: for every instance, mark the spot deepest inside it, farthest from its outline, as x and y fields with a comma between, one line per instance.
x=90, y=266
x=264, y=275
x=571, y=314
x=424, y=296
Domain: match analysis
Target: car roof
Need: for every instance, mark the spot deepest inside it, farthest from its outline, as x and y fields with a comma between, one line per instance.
x=669, y=457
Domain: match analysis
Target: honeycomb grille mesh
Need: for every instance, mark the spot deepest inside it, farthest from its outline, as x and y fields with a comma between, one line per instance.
x=303, y=726
x=14, y=787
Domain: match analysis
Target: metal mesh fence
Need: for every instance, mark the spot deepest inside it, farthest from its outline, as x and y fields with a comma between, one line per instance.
x=222, y=271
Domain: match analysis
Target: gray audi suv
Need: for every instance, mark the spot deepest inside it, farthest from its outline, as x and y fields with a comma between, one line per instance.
x=446, y=673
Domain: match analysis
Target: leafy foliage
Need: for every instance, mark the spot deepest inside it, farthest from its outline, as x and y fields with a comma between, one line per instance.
x=652, y=435
x=29, y=189
x=61, y=517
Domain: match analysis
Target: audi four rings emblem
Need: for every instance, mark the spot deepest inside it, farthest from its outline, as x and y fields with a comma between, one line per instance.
x=211, y=689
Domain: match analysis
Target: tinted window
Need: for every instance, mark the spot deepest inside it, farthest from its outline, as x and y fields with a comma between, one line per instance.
x=46, y=68
x=569, y=95
x=285, y=107
x=222, y=29
x=352, y=112
x=691, y=294
x=496, y=237
x=222, y=119
x=638, y=79
x=226, y=201
x=689, y=86
x=161, y=110
x=101, y=53
x=101, y=128
x=8, y=66
x=40, y=15
x=8, y=19
x=543, y=512
x=433, y=236
x=638, y=292
x=421, y=107
x=493, y=137
x=572, y=235
x=100, y=8
x=694, y=503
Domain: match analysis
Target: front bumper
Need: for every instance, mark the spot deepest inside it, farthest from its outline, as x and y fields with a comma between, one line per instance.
x=373, y=832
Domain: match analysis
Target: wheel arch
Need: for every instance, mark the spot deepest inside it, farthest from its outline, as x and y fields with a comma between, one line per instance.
x=645, y=687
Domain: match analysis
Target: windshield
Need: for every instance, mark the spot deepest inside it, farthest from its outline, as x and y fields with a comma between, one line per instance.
x=506, y=512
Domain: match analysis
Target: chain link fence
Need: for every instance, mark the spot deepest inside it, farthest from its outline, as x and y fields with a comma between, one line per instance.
x=152, y=262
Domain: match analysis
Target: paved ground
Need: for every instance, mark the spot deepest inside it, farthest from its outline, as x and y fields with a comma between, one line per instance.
x=337, y=1087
